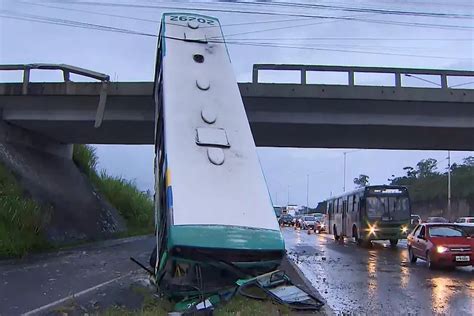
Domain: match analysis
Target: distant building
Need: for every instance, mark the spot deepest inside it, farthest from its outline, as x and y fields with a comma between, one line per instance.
x=291, y=209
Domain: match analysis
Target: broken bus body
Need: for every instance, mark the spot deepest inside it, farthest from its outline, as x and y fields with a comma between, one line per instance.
x=214, y=216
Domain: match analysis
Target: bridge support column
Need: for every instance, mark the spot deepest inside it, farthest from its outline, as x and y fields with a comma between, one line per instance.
x=16, y=135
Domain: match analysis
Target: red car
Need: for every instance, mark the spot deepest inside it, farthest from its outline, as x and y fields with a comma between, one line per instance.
x=441, y=244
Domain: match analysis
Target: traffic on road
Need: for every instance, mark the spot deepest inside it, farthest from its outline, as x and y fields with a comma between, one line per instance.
x=383, y=279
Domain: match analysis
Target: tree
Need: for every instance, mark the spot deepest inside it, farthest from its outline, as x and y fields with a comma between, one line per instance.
x=411, y=173
x=426, y=167
x=361, y=181
x=469, y=161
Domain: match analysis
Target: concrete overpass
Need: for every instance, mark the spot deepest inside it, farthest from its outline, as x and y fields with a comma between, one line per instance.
x=280, y=115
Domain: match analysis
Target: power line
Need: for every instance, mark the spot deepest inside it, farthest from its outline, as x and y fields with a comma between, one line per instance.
x=422, y=79
x=155, y=21
x=357, y=9
x=278, y=28
x=461, y=84
x=350, y=39
x=72, y=23
x=341, y=50
x=414, y=24
x=237, y=24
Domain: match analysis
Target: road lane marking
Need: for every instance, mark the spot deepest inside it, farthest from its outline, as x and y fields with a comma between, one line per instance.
x=76, y=295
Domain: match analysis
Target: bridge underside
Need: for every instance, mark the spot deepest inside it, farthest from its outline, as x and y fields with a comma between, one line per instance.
x=280, y=115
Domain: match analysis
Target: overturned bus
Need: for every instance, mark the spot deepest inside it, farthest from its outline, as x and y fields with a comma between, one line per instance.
x=214, y=217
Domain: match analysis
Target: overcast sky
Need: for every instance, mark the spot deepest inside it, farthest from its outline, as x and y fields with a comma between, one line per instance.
x=426, y=42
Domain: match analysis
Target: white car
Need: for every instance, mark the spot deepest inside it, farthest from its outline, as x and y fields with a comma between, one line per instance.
x=465, y=220
x=308, y=222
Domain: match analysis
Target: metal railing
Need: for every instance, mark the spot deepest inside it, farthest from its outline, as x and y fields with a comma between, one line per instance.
x=351, y=71
x=67, y=70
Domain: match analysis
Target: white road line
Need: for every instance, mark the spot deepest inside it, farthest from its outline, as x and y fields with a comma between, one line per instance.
x=78, y=294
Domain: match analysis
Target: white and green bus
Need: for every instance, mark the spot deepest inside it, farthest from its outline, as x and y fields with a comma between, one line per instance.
x=214, y=216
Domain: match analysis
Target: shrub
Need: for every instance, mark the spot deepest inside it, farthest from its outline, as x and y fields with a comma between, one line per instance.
x=22, y=220
x=135, y=206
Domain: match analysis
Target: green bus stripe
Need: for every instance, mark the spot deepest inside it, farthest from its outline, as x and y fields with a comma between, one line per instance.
x=225, y=237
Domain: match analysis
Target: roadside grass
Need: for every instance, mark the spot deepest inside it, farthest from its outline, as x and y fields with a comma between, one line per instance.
x=243, y=306
x=22, y=220
x=238, y=306
x=135, y=206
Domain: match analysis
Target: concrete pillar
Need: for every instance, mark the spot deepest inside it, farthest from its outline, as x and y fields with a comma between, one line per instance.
x=16, y=135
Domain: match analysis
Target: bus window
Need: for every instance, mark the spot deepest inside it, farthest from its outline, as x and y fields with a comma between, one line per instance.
x=397, y=207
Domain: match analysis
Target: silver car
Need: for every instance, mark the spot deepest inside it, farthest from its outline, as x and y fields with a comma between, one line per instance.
x=308, y=222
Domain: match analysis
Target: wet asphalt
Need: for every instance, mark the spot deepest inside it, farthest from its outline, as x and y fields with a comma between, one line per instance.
x=99, y=272
x=353, y=280
x=378, y=280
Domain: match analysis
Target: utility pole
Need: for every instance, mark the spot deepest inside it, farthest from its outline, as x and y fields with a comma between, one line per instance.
x=449, y=183
x=276, y=197
x=288, y=200
x=307, y=193
x=344, y=176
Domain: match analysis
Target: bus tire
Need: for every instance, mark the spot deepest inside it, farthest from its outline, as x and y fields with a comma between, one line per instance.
x=360, y=242
x=336, y=237
x=355, y=233
x=393, y=242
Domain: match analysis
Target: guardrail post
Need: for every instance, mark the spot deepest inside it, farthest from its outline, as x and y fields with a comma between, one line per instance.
x=66, y=76
x=444, y=81
x=99, y=116
x=398, y=80
x=351, y=78
x=303, y=76
x=254, y=74
x=26, y=80
x=67, y=81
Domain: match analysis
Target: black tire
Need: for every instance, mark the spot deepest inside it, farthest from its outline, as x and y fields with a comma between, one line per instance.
x=360, y=241
x=411, y=255
x=355, y=235
x=429, y=262
x=153, y=258
x=336, y=237
x=393, y=242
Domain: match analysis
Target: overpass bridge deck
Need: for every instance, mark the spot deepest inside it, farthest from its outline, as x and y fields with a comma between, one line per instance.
x=280, y=115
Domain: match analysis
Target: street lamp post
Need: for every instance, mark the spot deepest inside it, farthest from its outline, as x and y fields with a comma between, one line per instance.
x=307, y=193
x=288, y=200
x=344, y=180
x=449, y=183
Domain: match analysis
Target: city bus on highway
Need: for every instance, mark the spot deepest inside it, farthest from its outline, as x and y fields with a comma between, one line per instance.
x=380, y=212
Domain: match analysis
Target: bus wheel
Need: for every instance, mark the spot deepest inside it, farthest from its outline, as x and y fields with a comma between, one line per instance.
x=360, y=242
x=336, y=237
x=393, y=242
x=355, y=234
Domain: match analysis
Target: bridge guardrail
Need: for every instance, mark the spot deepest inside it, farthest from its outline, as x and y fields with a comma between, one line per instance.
x=351, y=71
x=67, y=70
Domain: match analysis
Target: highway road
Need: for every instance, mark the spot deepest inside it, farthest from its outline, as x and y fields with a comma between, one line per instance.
x=379, y=280
x=97, y=275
